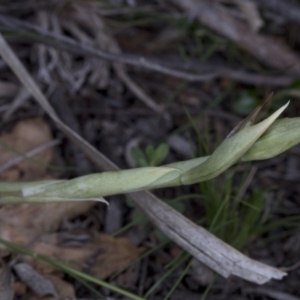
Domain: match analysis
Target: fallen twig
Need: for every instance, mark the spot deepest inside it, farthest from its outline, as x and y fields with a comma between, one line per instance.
x=286, y=9
x=72, y=46
x=104, y=41
x=267, y=50
x=18, y=159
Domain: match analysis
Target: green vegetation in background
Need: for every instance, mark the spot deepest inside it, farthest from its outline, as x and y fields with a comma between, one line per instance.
x=152, y=156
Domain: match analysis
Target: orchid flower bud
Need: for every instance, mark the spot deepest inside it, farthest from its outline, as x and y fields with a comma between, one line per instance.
x=281, y=136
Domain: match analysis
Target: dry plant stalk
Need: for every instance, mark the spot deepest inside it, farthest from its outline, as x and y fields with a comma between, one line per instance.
x=197, y=241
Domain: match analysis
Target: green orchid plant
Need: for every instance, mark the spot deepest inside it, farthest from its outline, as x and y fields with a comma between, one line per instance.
x=247, y=142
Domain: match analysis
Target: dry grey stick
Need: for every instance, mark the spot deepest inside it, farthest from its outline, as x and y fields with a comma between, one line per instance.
x=12, y=162
x=72, y=46
x=33, y=279
x=22, y=96
x=197, y=241
x=106, y=42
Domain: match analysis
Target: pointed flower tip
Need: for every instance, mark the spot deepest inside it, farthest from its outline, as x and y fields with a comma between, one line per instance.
x=287, y=104
x=280, y=110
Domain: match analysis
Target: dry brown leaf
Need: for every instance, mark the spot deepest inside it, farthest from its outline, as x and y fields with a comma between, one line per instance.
x=100, y=255
x=20, y=288
x=22, y=224
x=25, y=136
x=64, y=289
